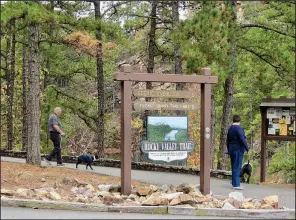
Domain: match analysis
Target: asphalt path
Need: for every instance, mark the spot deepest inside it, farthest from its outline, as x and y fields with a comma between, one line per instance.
x=218, y=186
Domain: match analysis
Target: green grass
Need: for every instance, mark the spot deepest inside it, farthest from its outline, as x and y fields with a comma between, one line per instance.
x=181, y=135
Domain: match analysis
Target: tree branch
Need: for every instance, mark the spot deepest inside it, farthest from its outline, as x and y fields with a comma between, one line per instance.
x=266, y=28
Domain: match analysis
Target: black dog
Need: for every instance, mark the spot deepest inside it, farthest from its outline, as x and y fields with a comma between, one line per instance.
x=84, y=158
x=246, y=169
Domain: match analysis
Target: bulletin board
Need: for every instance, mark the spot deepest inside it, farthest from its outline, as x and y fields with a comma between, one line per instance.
x=278, y=122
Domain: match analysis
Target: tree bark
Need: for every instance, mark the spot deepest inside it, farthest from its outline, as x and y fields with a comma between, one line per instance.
x=24, y=96
x=100, y=82
x=177, y=54
x=33, y=153
x=228, y=90
x=10, y=89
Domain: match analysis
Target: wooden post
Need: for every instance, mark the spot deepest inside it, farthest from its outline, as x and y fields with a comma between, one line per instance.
x=205, y=134
x=263, y=145
x=126, y=107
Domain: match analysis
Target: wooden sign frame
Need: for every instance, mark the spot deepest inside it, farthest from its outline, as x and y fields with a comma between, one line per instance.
x=125, y=76
x=266, y=103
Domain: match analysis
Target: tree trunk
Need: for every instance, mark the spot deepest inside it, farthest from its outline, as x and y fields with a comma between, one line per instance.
x=228, y=89
x=177, y=54
x=33, y=153
x=151, y=44
x=213, y=129
x=10, y=90
x=24, y=96
x=100, y=82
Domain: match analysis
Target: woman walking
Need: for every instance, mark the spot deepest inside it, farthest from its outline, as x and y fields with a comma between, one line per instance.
x=236, y=146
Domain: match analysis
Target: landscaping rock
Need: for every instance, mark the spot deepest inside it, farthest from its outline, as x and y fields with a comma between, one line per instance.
x=272, y=201
x=155, y=201
x=54, y=196
x=220, y=197
x=237, y=204
x=227, y=205
x=266, y=206
x=163, y=188
x=97, y=200
x=104, y=187
x=74, y=189
x=110, y=200
x=171, y=189
x=185, y=188
x=88, y=193
x=186, y=199
x=171, y=196
x=76, y=181
x=144, y=191
x=66, y=181
x=154, y=188
x=175, y=201
x=133, y=197
x=202, y=199
x=103, y=193
x=248, y=205
x=89, y=186
x=238, y=196
x=43, y=180
x=22, y=192
x=256, y=203
x=7, y=192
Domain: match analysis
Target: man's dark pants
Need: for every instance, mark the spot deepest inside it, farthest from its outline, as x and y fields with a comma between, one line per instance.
x=236, y=157
x=56, y=139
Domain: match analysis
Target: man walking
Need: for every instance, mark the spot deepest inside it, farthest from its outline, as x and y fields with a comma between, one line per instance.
x=55, y=132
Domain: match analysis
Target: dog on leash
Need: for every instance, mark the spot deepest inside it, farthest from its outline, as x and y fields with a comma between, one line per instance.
x=246, y=169
x=84, y=158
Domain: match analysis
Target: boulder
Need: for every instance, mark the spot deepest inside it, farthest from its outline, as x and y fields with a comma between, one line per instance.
x=247, y=205
x=227, y=205
x=109, y=200
x=272, y=201
x=185, y=188
x=144, y=191
x=54, y=196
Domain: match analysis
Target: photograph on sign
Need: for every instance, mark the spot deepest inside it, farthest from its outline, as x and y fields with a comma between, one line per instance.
x=167, y=128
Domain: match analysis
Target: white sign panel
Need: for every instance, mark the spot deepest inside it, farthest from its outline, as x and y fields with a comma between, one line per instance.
x=167, y=156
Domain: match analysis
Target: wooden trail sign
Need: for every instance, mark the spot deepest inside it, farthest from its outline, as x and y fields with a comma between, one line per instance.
x=163, y=93
x=141, y=105
x=126, y=77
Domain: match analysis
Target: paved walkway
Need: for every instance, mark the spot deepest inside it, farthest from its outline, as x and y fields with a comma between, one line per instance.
x=218, y=186
x=26, y=213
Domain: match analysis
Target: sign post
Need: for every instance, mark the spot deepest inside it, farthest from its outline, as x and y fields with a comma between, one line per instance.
x=174, y=150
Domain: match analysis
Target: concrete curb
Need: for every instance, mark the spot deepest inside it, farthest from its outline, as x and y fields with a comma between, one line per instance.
x=245, y=213
x=173, y=210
